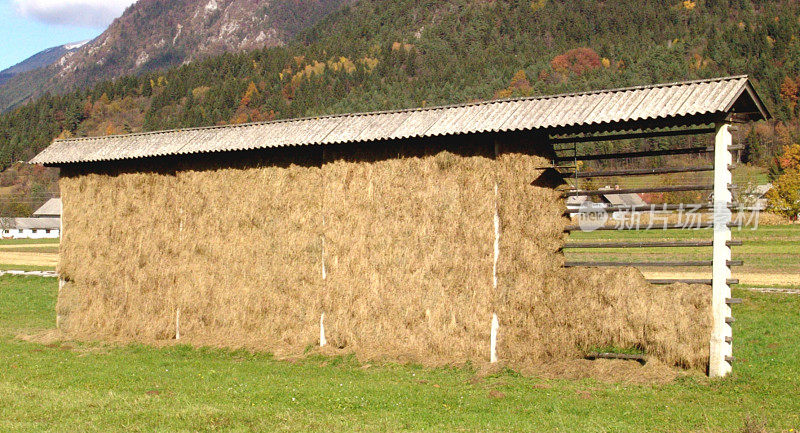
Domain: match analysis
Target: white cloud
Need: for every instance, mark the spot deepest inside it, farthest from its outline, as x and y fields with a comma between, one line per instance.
x=87, y=13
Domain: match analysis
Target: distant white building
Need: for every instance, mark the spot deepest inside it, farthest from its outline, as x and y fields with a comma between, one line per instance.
x=627, y=200
x=759, y=197
x=45, y=224
x=31, y=228
x=51, y=209
x=750, y=197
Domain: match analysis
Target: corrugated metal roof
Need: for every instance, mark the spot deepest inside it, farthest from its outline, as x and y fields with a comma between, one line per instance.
x=33, y=223
x=51, y=207
x=612, y=199
x=627, y=106
x=625, y=199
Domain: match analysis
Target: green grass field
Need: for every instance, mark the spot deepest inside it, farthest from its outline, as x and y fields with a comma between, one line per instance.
x=49, y=249
x=28, y=254
x=70, y=386
x=26, y=268
x=767, y=252
x=4, y=242
x=742, y=175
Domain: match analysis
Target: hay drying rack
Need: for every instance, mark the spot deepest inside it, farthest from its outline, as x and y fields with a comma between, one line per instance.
x=567, y=161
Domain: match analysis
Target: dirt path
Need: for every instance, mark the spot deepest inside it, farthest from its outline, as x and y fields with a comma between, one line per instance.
x=28, y=258
x=39, y=245
x=756, y=278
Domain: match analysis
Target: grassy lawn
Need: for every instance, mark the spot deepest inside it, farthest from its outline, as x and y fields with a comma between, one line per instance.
x=28, y=254
x=4, y=242
x=48, y=249
x=73, y=386
x=742, y=175
x=26, y=268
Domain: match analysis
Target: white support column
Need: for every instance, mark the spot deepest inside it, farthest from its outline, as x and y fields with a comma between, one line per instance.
x=322, y=340
x=495, y=322
x=721, y=333
x=60, y=279
x=178, y=323
x=493, y=339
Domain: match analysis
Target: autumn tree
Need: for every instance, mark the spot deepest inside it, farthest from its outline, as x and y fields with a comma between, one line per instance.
x=790, y=92
x=784, y=197
x=249, y=94
x=577, y=61
x=519, y=85
x=790, y=159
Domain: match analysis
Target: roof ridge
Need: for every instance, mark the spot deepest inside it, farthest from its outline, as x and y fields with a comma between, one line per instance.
x=405, y=110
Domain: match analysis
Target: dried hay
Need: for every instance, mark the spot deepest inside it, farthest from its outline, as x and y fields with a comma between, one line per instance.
x=618, y=307
x=549, y=313
x=236, y=249
x=768, y=219
x=407, y=235
x=409, y=250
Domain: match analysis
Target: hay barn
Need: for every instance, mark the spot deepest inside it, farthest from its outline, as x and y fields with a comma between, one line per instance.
x=431, y=235
x=50, y=209
x=45, y=224
x=30, y=228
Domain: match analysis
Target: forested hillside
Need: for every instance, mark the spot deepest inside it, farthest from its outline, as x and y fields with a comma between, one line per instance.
x=381, y=55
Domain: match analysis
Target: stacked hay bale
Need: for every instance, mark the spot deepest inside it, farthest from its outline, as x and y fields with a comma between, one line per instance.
x=393, y=242
x=234, y=246
x=548, y=312
x=409, y=247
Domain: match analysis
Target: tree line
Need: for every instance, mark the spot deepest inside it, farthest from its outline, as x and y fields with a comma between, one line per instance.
x=379, y=55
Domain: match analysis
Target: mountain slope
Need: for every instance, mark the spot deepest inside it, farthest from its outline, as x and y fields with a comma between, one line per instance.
x=39, y=60
x=407, y=53
x=153, y=34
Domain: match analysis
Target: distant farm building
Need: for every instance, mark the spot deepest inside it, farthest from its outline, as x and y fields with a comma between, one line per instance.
x=630, y=200
x=30, y=228
x=45, y=224
x=432, y=235
x=753, y=198
x=50, y=209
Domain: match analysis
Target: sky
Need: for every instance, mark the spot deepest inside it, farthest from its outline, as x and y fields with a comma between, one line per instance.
x=30, y=26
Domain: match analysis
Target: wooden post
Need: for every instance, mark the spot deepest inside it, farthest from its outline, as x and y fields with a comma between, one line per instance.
x=178, y=323
x=721, y=332
x=322, y=340
x=495, y=322
x=493, y=340
x=60, y=280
